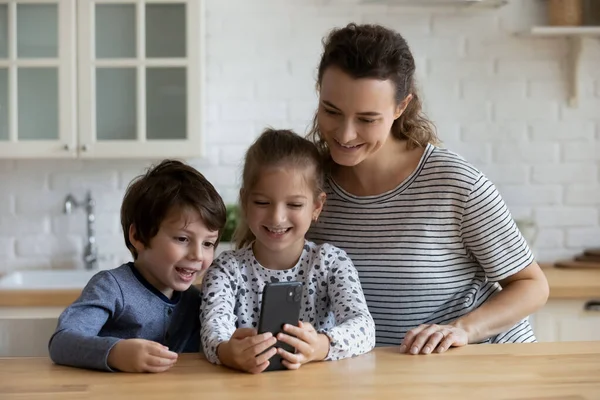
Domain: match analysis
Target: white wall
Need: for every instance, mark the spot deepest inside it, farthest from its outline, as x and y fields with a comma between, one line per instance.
x=497, y=99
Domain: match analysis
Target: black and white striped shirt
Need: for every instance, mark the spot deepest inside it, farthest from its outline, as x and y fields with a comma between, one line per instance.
x=430, y=250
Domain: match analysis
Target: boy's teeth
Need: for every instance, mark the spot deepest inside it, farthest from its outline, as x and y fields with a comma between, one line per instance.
x=186, y=271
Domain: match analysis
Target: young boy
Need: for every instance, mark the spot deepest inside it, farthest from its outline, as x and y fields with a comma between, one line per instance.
x=137, y=317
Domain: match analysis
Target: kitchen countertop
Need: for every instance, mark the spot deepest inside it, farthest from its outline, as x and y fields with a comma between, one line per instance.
x=569, y=370
x=564, y=284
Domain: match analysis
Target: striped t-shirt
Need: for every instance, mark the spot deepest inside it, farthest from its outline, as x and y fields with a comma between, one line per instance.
x=430, y=250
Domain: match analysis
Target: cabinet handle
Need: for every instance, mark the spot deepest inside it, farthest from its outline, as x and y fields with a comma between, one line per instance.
x=85, y=147
x=592, y=305
x=67, y=147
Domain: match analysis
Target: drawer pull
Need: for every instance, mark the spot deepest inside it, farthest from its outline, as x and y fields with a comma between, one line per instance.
x=592, y=305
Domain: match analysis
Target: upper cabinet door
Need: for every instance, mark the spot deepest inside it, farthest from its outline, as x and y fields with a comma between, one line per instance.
x=139, y=78
x=37, y=99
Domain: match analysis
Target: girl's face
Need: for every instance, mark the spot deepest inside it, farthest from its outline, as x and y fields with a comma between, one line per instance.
x=355, y=116
x=280, y=208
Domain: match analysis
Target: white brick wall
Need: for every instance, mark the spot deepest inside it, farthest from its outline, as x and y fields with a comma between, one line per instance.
x=498, y=99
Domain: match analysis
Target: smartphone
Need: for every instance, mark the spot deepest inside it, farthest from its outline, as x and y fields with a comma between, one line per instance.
x=280, y=305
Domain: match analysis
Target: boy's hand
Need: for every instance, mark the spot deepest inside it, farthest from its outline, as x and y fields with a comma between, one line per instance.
x=243, y=349
x=140, y=355
x=309, y=345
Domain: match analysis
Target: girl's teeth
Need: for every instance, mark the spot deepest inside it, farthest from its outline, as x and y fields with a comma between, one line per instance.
x=277, y=230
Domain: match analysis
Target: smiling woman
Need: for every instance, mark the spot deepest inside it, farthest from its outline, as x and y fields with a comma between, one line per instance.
x=440, y=259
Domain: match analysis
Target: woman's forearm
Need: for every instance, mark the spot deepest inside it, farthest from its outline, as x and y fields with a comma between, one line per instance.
x=521, y=295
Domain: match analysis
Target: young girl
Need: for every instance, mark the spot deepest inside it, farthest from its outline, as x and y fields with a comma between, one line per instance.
x=281, y=195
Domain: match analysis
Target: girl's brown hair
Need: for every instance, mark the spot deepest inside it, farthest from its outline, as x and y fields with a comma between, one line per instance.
x=276, y=148
x=373, y=51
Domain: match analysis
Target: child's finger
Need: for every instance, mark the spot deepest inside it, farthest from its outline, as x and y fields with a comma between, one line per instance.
x=300, y=345
x=155, y=369
x=252, y=341
x=259, y=348
x=161, y=351
x=290, y=365
x=242, y=333
x=291, y=358
x=266, y=356
x=259, y=368
x=156, y=361
x=296, y=331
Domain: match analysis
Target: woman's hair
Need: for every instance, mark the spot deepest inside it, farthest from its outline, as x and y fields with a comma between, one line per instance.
x=373, y=51
x=276, y=148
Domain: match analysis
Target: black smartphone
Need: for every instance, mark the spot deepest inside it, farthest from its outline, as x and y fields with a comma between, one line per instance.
x=280, y=305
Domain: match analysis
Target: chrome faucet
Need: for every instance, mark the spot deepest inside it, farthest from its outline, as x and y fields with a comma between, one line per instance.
x=90, y=255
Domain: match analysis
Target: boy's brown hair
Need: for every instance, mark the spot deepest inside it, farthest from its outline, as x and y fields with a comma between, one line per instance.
x=169, y=185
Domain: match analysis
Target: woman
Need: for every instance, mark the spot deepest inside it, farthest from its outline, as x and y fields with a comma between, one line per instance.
x=440, y=259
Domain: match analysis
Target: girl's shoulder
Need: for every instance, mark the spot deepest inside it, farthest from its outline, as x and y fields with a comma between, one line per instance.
x=325, y=251
x=231, y=260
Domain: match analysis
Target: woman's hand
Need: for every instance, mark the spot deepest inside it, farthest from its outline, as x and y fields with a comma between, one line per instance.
x=140, y=355
x=426, y=339
x=309, y=345
x=243, y=350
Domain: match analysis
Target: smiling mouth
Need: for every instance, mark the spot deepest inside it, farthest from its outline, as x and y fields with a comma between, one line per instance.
x=349, y=147
x=277, y=231
x=186, y=272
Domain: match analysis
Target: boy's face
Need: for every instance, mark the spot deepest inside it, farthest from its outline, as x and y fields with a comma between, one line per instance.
x=180, y=252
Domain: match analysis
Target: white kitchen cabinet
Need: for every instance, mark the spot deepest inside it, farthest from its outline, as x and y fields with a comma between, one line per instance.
x=25, y=331
x=100, y=78
x=568, y=320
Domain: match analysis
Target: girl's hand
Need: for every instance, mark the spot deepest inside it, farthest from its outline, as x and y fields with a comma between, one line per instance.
x=243, y=350
x=309, y=345
x=140, y=355
x=428, y=338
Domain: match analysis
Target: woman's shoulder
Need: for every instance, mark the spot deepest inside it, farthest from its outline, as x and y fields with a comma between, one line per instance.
x=446, y=163
x=445, y=157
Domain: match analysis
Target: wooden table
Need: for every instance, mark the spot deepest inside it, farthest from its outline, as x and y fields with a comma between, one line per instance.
x=512, y=371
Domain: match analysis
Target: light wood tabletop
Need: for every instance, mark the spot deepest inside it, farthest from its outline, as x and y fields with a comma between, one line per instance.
x=569, y=370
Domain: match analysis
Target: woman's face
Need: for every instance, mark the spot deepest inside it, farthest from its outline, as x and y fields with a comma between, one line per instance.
x=355, y=115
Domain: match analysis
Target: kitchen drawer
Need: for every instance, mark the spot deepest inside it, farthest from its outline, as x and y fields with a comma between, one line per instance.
x=568, y=320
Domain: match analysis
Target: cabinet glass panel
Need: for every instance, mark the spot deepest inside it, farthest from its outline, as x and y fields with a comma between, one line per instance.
x=116, y=108
x=37, y=103
x=166, y=103
x=37, y=30
x=3, y=30
x=115, y=31
x=3, y=104
x=165, y=30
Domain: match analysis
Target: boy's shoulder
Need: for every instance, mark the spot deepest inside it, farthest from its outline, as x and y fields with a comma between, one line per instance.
x=118, y=274
x=111, y=279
